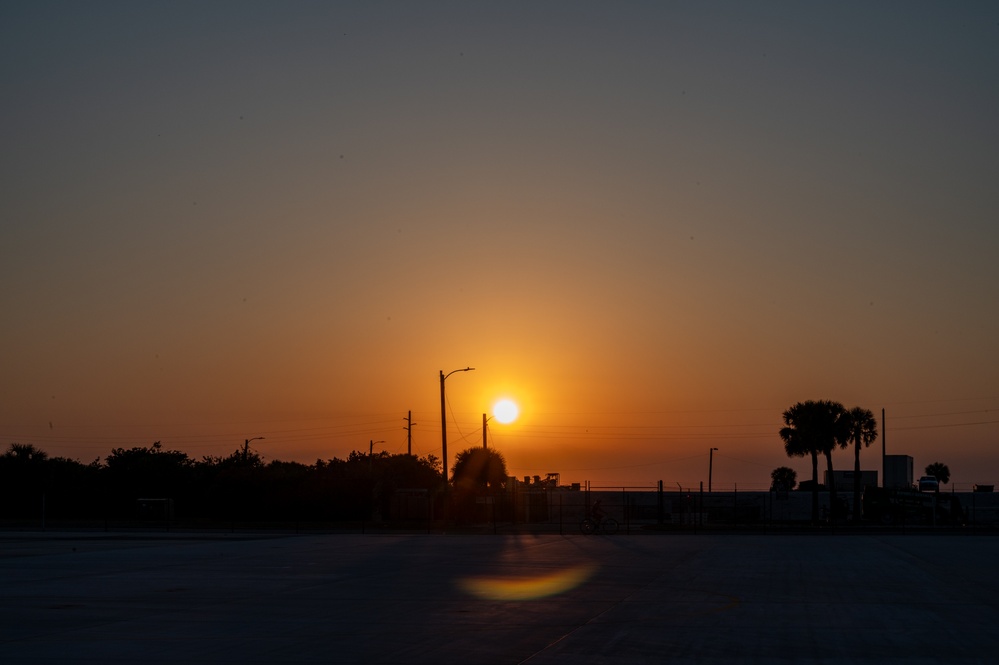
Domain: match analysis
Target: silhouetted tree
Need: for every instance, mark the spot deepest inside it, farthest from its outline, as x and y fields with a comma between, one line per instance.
x=833, y=416
x=339, y=489
x=72, y=489
x=151, y=472
x=783, y=478
x=284, y=487
x=31, y=480
x=433, y=462
x=241, y=457
x=408, y=471
x=23, y=472
x=813, y=428
x=863, y=431
x=235, y=487
x=476, y=472
x=26, y=453
x=797, y=443
x=225, y=487
x=940, y=471
x=479, y=468
x=402, y=472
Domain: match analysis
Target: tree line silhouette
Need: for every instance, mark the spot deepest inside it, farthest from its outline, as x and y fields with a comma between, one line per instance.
x=237, y=487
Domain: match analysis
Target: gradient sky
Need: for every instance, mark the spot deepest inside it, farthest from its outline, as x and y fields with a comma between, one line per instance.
x=653, y=225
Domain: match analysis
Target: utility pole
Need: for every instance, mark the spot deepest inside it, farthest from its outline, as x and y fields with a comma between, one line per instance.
x=884, y=452
x=485, y=428
x=711, y=463
x=409, y=432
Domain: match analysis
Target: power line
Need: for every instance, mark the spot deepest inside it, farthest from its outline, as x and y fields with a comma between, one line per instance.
x=981, y=422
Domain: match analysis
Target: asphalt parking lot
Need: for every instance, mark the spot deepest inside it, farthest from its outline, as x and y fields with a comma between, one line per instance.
x=538, y=599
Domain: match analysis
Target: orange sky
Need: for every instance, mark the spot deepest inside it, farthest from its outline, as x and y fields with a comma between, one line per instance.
x=655, y=228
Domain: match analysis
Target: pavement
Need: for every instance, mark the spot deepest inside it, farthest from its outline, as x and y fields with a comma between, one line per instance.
x=536, y=599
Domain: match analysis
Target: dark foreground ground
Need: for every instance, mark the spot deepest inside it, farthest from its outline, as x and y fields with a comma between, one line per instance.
x=176, y=598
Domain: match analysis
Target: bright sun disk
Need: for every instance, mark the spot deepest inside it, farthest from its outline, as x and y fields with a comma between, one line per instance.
x=505, y=411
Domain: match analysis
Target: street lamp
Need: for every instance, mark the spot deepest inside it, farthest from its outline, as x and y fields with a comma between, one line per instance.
x=246, y=446
x=371, y=451
x=711, y=460
x=444, y=417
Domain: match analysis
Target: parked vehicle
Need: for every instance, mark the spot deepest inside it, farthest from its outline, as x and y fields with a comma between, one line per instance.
x=929, y=484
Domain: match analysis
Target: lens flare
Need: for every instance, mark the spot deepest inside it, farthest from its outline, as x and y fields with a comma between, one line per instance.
x=527, y=588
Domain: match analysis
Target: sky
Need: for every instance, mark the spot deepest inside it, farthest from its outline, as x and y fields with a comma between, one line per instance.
x=654, y=226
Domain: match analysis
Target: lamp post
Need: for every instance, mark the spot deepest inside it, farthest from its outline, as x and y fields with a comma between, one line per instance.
x=246, y=446
x=711, y=461
x=444, y=418
x=371, y=451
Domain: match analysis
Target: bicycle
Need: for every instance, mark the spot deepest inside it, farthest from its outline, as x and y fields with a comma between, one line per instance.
x=607, y=526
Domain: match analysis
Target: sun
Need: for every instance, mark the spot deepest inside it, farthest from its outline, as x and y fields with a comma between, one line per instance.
x=505, y=411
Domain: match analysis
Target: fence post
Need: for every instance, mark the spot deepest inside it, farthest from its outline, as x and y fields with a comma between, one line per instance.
x=659, y=513
x=513, y=512
x=768, y=512
x=624, y=509
x=735, y=501
x=700, y=506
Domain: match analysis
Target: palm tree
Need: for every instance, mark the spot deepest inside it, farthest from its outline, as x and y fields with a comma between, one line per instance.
x=814, y=427
x=836, y=434
x=25, y=474
x=25, y=452
x=796, y=437
x=940, y=471
x=863, y=432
